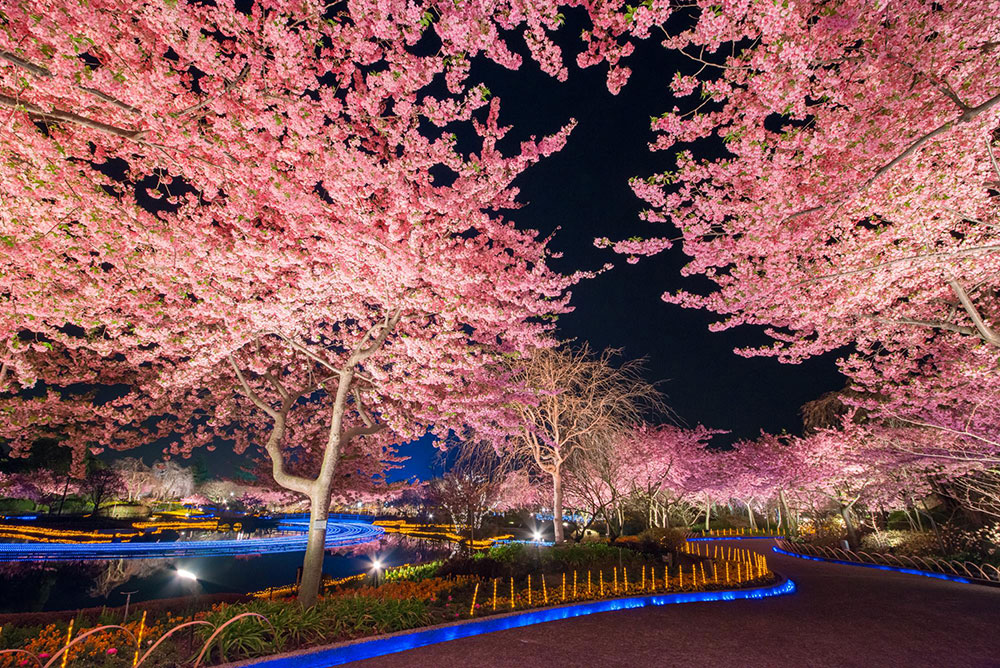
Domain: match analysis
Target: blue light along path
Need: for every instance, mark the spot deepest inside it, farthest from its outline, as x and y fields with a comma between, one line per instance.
x=338, y=534
x=838, y=617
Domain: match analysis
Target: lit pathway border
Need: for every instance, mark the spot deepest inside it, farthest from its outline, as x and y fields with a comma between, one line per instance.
x=708, y=538
x=880, y=567
x=339, y=534
x=399, y=642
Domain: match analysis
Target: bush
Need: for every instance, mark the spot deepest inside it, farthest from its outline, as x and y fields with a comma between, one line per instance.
x=332, y=618
x=17, y=506
x=978, y=546
x=659, y=540
x=123, y=511
x=910, y=543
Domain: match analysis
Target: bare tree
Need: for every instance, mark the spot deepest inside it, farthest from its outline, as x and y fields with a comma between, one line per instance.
x=474, y=486
x=136, y=476
x=577, y=401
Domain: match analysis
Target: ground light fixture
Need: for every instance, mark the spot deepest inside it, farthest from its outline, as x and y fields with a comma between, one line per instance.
x=186, y=574
x=538, y=536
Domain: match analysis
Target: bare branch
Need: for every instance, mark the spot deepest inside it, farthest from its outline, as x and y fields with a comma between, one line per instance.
x=985, y=332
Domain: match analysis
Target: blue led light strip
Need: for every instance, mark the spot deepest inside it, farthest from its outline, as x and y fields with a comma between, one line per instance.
x=367, y=649
x=707, y=538
x=897, y=569
x=339, y=534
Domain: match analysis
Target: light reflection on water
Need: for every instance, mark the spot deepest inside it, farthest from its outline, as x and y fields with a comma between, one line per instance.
x=35, y=586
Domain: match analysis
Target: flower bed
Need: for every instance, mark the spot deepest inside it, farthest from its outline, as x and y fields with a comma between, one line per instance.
x=409, y=597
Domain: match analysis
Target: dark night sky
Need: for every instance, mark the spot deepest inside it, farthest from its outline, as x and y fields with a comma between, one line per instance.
x=584, y=191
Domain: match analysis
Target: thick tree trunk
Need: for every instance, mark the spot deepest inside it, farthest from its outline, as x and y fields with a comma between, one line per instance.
x=557, y=507
x=312, y=567
x=708, y=515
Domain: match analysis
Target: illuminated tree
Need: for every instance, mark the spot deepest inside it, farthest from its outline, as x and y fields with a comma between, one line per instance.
x=577, y=402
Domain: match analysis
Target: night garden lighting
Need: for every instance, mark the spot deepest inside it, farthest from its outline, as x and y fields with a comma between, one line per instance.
x=339, y=534
x=358, y=651
x=880, y=567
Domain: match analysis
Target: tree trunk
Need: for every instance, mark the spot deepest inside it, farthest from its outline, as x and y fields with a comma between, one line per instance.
x=753, y=522
x=708, y=515
x=62, y=499
x=852, y=533
x=786, y=517
x=557, y=507
x=312, y=567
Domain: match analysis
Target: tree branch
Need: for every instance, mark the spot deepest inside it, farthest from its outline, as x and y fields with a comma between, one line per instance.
x=985, y=332
x=44, y=72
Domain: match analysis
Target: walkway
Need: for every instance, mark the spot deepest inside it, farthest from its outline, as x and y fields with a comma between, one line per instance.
x=840, y=616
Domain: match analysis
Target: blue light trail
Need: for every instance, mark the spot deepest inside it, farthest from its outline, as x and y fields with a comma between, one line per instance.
x=880, y=567
x=335, y=656
x=338, y=534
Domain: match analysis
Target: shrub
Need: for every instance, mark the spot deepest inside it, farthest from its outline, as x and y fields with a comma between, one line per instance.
x=979, y=545
x=661, y=540
x=17, y=505
x=413, y=572
x=332, y=618
x=911, y=543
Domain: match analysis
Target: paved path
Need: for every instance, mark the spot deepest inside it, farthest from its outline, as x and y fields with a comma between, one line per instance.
x=840, y=616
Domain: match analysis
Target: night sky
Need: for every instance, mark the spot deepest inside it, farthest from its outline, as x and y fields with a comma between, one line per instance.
x=584, y=191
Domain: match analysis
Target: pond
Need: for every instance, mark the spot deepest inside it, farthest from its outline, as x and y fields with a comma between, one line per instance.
x=62, y=585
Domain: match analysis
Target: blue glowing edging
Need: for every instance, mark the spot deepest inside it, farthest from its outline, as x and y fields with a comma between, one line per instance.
x=896, y=569
x=339, y=534
x=368, y=649
x=708, y=538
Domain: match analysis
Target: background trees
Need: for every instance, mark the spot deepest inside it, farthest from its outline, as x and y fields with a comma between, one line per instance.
x=576, y=402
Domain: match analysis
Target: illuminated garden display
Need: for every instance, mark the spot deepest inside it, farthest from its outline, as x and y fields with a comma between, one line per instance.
x=321, y=321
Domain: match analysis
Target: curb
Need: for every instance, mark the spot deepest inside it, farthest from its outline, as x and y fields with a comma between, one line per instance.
x=895, y=569
x=708, y=538
x=357, y=650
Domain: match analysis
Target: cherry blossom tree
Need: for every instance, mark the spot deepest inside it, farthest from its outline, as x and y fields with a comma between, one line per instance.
x=100, y=485
x=298, y=247
x=855, y=204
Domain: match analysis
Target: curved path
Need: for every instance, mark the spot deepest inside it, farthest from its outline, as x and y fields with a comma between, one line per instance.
x=840, y=616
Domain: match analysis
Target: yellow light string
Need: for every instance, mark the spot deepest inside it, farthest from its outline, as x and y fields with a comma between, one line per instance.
x=574, y=583
x=680, y=576
x=625, y=579
x=666, y=578
x=702, y=567
x=564, y=586
x=615, y=569
x=512, y=593
x=739, y=572
x=727, y=572
x=529, y=590
x=644, y=577
x=138, y=642
x=588, y=583
x=601, y=572
x=494, y=594
x=545, y=592
x=475, y=593
x=715, y=573
x=69, y=636
x=694, y=576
